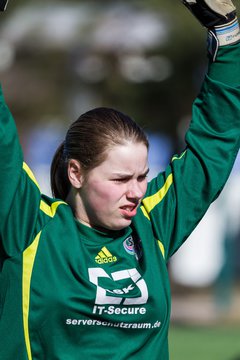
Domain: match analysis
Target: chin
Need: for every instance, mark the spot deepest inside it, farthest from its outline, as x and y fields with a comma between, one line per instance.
x=115, y=225
x=120, y=225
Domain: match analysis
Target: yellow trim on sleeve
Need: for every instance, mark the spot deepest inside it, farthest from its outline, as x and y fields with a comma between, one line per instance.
x=145, y=212
x=176, y=157
x=50, y=210
x=150, y=202
x=30, y=174
x=28, y=261
x=160, y=244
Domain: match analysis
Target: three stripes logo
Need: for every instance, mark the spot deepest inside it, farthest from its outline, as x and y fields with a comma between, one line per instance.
x=104, y=257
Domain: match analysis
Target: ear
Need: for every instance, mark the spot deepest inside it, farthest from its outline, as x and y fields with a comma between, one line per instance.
x=75, y=174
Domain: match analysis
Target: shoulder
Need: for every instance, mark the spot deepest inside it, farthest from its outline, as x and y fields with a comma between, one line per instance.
x=51, y=206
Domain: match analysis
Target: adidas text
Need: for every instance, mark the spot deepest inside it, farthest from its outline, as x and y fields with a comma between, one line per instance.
x=106, y=260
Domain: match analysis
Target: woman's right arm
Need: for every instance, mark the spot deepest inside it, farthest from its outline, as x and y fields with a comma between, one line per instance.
x=19, y=193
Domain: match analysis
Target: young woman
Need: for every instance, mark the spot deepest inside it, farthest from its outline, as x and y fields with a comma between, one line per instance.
x=84, y=275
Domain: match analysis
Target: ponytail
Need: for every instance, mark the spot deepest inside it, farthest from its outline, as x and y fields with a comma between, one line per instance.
x=60, y=184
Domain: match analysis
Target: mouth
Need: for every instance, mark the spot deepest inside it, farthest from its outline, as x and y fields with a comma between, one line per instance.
x=129, y=211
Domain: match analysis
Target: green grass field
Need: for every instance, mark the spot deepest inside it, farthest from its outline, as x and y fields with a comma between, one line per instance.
x=204, y=343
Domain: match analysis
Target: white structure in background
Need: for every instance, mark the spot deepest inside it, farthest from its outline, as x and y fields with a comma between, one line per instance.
x=199, y=261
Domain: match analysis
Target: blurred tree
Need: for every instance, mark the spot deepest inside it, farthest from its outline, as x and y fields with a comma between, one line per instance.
x=48, y=81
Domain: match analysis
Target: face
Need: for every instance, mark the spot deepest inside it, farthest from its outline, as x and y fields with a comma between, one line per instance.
x=111, y=193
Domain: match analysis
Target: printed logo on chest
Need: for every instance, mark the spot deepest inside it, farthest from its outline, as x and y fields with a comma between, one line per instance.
x=124, y=287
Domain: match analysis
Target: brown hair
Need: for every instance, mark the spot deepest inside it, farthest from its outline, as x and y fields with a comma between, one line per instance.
x=87, y=140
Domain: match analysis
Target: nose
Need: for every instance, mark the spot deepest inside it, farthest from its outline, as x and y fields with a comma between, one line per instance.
x=136, y=190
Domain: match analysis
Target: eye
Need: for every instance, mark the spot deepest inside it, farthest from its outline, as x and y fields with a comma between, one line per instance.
x=120, y=180
x=142, y=177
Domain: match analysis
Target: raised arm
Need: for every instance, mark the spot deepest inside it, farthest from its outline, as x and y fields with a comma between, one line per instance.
x=20, y=197
x=177, y=199
x=11, y=161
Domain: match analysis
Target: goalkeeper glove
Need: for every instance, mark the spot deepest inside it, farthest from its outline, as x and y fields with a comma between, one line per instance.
x=219, y=17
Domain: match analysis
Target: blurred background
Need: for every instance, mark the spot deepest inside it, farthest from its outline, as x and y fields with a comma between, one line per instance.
x=146, y=58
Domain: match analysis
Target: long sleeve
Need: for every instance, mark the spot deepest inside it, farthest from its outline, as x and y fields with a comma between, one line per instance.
x=19, y=192
x=11, y=160
x=177, y=199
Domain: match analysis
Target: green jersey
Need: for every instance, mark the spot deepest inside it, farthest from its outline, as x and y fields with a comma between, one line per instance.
x=70, y=292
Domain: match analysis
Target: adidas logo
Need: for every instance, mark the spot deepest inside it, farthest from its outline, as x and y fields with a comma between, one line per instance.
x=104, y=256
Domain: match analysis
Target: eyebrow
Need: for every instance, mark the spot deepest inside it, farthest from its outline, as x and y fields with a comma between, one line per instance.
x=122, y=175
